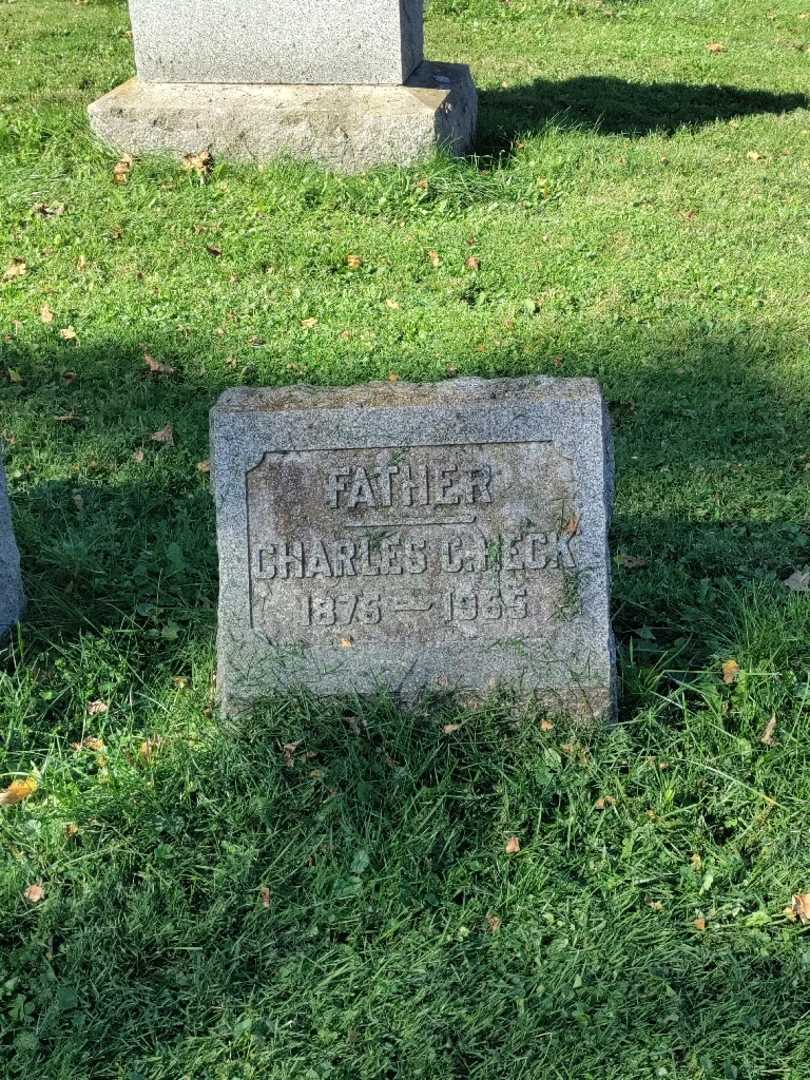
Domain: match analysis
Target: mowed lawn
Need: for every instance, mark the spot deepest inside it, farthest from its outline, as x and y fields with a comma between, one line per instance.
x=323, y=890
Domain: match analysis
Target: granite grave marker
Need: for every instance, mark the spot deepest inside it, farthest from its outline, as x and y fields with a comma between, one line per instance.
x=12, y=602
x=409, y=537
x=343, y=82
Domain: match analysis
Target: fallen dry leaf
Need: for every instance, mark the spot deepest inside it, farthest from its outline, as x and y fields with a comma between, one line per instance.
x=122, y=170
x=731, y=671
x=435, y=258
x=354, y=262
x=97, y=708
x=798, y=581
x=494, y=922
x=18, y=790
x=71, y=830
x=715, y=47
x=473, y=263
x=393, y=377
x=392, y=304
x=89, y=742
x=213, y=250
x=656, y=905
x=512, y=846
x=42, y=209
x=571, y=527
x=754, y=155
x=204, y=466
x=604, y=802
x=182, y=682
x=546, y=725
x=155, y=366
x=264, y=892
x=67, y=418
x=165, y=435
x=289, y=752
x=148, y=748
x=448, y=729
x=346, y=643
x=45, y=314
x=67, y=333
x=70, y=376
x=201, y=163
x=767, y=736
x=422, y=184
x=17, y=268
x=34, y=893
x=699, y=924
x=309, y=324
x=695, y=861
x=800, y=906
x=138, y=455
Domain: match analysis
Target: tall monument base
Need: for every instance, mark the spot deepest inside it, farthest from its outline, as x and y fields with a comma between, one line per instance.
x=344, y=127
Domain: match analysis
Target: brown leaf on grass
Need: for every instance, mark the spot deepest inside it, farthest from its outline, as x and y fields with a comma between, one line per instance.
x=767, y=736
x=45, y=314
x=715, y=47
x=731, y=671
x=695, y=861
x=165, y=436
x=70, y=376
x=156, y=367
x=148, y=749
x=422, y=184
x=546, y=725
x=213, y=250
x=754, y=155
x=449, y=729
x=800, y=906
x=435, y=259
x=289, y=752
x=494, y=922
x=201, y=163
x=699, y=923
x=122, y=169
x=67, y=418
x=17, y=268
x=473, y=263
x=67, y=333
x=97, y=708
x=392, y=304
x=656, y=905
x=204, y=466
x=138, y=455
x=798, y=581
x=90, y=742
x=354, y=262
x=393, y=377
x=632, y=562
x=18, y=790
x=309, y=324
x=512, y=846
x=42, y=209
x=181, y=682
x=604, y=802
x=346, y=643
x=71, y=830
x=34, y=894
x=264, y=892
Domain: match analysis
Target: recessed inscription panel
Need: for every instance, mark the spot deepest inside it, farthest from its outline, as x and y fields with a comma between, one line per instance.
x=421, y=545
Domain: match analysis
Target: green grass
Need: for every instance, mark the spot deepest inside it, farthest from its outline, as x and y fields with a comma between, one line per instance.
x=641, y=212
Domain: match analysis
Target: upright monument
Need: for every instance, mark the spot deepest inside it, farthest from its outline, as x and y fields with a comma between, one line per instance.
x=343, y=82
x=416, y=537
x=12, y=602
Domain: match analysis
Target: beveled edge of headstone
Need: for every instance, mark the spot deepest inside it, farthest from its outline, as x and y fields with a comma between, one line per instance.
x=12, y=596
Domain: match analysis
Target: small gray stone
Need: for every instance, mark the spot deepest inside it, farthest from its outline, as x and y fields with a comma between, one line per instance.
x=12, y=602
x=416, y=537
x=349, y=128
x=277, y=41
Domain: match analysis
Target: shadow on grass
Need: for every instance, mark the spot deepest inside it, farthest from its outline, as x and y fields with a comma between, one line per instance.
x=699, y=420
x=613, y=106
x=380, y=837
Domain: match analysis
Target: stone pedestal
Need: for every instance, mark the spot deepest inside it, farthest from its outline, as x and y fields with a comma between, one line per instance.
x=341, y=82
x=12, y=602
